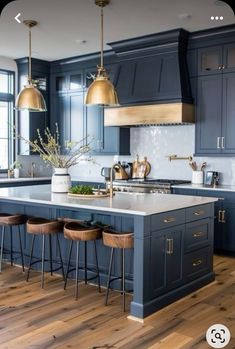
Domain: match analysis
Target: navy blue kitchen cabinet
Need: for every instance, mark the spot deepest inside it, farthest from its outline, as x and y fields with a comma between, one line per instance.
x=224, y=222
x=209, y=111
x=215, y=115
x=216, y=59
x=166, y=256
x=29, y=123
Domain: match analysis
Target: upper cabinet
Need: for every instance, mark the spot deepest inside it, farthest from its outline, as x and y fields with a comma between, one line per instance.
x=216, y=59
x=64, y=82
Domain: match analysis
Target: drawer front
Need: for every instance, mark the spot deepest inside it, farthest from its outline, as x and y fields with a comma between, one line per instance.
x=167, y=219
x=198, y=234
x=198, y=263
x=198, y=212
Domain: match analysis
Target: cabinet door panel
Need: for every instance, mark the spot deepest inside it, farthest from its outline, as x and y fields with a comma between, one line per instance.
x=169, y=81
x=209, y=60
x=229, y=58
x=228, y=124
x=63, y=119
x=158, y=264
x=76, y=116
x=174, y=260
x=208, y=126
x=94, y=127
x=228, y=233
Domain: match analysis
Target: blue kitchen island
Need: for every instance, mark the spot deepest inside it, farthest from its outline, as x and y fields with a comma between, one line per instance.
x=173, y=238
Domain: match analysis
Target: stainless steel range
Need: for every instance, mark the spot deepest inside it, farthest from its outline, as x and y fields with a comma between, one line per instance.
x=146, y=185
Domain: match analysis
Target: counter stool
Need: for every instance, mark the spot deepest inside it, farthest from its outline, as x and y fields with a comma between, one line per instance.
x=79, y=232
x=8, y=221
x=117, y=240
x=44, y=227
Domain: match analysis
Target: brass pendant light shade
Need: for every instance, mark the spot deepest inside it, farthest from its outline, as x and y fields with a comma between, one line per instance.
x=102, y=91
x=30, y=98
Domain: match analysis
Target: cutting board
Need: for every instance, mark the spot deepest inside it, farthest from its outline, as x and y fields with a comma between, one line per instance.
x=140, y=169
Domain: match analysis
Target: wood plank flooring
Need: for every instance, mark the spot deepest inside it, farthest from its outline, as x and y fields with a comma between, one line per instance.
x=31, y=318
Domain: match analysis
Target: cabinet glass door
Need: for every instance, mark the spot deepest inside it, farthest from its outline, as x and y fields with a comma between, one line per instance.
x=229, y=58
x=210, y=60
x=75, y=81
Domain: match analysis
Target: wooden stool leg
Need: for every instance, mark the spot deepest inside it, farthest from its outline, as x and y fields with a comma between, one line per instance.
x=77, y=270
x=11, y=245
x=85, y=267
x=2, y=245
x=60, y=255
x=43, y=259
x=50, y=252
x=97, y=266
x=123, y=280
x=21, y=249
x=68, y=264
x=109, y=274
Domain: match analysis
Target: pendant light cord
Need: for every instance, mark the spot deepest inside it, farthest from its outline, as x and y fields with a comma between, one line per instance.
x=102, y=38
x=30, y=54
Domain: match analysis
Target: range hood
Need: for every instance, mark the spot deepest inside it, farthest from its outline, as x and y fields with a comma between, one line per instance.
x=152, y=81
x=147, y=115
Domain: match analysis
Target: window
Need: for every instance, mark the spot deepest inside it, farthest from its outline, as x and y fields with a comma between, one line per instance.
x=6, y=119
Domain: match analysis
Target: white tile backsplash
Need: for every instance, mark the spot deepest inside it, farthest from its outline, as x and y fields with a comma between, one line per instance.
x=157, y=143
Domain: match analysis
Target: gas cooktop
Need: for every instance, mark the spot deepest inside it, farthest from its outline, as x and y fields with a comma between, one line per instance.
x=153, y=181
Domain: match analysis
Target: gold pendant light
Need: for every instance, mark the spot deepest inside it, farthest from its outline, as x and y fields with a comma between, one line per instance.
x=30, y=98
x=102, y=91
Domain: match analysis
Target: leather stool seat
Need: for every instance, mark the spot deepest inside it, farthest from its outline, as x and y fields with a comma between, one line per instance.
x=39, y=226
x=8, y=220
x=78, y=231
x=12, y=219
x=117, y=240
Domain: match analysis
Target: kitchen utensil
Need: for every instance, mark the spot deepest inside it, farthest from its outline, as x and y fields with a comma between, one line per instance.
x=203, y=165
x=119, y=172
x=135, y=166
x=105, y=172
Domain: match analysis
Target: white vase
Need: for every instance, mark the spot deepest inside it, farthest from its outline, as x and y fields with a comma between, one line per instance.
x=61, y=181
x=16, y=172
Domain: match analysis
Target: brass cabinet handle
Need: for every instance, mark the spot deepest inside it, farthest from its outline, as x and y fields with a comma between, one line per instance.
x=197, y=262
x=223, y=220
x=219, y=216
x=198, y=213
x=169, y=220
x=170, y=246
x=198, y=234
x=218, y=142
x=222, y=143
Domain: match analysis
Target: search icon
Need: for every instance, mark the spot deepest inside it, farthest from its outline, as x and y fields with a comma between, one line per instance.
x=218, y=336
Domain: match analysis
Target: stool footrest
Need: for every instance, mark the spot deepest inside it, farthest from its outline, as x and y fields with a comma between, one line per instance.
x=119, y=278
x=88, y=269
x=47, y=261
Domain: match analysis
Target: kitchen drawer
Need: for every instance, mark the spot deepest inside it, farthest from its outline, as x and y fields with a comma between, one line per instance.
x=198, y=212
x=167, y=219
x=197, y=263
x=197, y=234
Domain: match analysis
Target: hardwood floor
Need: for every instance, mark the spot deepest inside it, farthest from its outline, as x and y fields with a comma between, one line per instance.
x=51, y=318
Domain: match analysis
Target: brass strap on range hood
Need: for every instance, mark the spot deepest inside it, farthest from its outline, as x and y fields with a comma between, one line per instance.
x=154, y=114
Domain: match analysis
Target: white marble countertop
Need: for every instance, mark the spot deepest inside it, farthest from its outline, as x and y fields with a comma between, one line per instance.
x=230, y=188
x=23, y=179
x=127, y=203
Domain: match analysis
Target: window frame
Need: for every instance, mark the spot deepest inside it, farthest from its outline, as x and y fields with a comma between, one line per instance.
x=9, y=98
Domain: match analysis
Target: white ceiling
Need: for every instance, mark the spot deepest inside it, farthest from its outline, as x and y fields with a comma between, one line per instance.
x=64, y=22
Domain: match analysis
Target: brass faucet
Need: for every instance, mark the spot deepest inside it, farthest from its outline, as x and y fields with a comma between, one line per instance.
x=32, y=168
x=111, y=181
